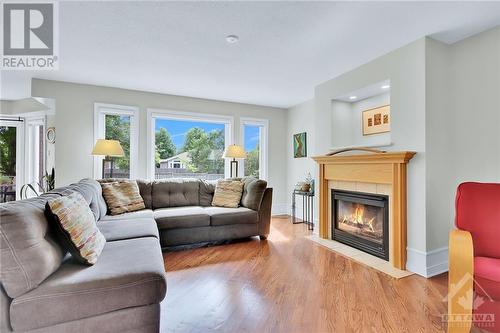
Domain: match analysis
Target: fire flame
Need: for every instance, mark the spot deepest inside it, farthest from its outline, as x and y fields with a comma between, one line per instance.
x=357, y=217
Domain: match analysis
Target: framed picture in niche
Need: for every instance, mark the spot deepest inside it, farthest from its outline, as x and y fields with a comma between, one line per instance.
x=300, y=145
x=377, y=120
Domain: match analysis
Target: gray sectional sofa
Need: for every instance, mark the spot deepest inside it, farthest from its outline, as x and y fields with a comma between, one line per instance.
x=184, y=215
x=43, y=289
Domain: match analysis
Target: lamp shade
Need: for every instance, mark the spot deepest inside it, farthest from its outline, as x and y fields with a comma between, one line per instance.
x=108, y=148
x=234, y=151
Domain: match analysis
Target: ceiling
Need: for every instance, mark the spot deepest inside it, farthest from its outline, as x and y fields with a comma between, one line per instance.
x=285, y=48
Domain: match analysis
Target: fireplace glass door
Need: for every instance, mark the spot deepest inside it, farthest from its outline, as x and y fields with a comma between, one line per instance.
x=361, y=220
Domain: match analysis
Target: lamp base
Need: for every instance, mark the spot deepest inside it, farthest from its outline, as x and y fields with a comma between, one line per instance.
x=235, y=163
x=110, y=160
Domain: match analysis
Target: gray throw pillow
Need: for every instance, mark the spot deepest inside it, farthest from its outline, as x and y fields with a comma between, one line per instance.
x=253, y=192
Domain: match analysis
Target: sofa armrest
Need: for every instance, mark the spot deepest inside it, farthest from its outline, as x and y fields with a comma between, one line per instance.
x=5, y=301
x=460, y=280
x=265, y=213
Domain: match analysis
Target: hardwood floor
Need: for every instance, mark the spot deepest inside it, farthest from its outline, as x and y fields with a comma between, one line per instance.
x=291, y=284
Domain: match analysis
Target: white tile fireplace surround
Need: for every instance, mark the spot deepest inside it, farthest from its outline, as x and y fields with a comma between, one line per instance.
x=381, y=173
x=360, y=188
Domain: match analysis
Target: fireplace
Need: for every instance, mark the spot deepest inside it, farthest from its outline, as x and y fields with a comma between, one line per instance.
x=361, y=220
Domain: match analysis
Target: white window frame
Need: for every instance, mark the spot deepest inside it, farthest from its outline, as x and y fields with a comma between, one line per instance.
x=153, y=114
x=100, y=112
x=19, y=125
x=263, y=141
x=30, y=156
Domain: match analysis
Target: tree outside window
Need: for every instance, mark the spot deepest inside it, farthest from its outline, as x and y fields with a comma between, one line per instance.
x=252, y=148
x=117, y=127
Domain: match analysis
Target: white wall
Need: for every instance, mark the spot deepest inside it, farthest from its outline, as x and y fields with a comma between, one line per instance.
x=74, y=126
x=342, y=125
x=300, y=118
x=462, y=124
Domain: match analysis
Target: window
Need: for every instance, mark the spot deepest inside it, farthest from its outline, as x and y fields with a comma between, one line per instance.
x=254, y=139
x=189, y=145
x=11, y=159
x=117, y=122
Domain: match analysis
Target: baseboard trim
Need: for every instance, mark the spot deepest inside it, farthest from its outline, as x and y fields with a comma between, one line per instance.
x=279, y=209
x=427, y=264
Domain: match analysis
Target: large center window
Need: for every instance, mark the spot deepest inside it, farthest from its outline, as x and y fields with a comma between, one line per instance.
x=185, y=145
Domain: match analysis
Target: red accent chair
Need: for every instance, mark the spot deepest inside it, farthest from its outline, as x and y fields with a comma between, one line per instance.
x=475, y=251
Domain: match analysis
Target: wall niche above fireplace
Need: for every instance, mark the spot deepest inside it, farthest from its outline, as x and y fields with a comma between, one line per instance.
x=361, y=220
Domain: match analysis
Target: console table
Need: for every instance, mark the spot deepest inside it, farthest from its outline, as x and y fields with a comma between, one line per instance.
x=307, y=208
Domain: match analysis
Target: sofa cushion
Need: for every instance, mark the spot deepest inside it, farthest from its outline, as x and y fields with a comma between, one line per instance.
x=225, y=216
x=181, y=217
x=207, y=189
x=487, y=277
x=253, y=192
x=129, y=273
x=97, y=204
x=227, y=193
x=29, y=252
x=122, y=197
x=175, y=193
x=74, y=222
x=139, y=214
x=128, y=228
x=145, y=188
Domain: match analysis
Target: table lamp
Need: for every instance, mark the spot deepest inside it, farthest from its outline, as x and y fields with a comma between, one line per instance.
x=234, y=152
x=108, y=149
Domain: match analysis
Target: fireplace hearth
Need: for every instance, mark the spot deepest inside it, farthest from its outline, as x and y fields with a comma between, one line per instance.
x=361, y=220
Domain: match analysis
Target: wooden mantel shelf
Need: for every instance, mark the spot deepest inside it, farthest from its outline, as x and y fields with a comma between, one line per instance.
x=388, y=157
x=377, y=168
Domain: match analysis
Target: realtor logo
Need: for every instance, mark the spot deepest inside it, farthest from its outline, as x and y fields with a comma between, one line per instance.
x=470, y=301
x=29, y=36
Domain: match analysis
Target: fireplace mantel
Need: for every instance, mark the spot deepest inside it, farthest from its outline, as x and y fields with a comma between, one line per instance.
x=377, y=168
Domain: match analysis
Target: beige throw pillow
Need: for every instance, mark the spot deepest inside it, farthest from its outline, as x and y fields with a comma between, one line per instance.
x=228, y=193
x=75, y=225
x=122, y=196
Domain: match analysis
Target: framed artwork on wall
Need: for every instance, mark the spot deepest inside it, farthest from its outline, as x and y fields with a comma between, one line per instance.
x=377, y=120
x=300, y=145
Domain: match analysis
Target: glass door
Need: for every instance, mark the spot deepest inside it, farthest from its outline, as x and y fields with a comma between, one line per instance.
x=11, y=136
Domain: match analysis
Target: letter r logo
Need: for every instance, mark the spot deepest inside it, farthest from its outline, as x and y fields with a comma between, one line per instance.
x=28, y=29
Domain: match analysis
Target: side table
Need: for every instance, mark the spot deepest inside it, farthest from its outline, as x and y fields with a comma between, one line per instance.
x=307, y=208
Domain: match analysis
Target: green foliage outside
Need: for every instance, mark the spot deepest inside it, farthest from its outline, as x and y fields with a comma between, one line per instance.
x=252, y=162
x=118, y=128
x=205, y=150
x=164, y=145
x=7, y=153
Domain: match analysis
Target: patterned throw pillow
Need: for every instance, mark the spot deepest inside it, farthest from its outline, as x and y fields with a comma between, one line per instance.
x=122, y=196
x=228, y=193
x=76, y=227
